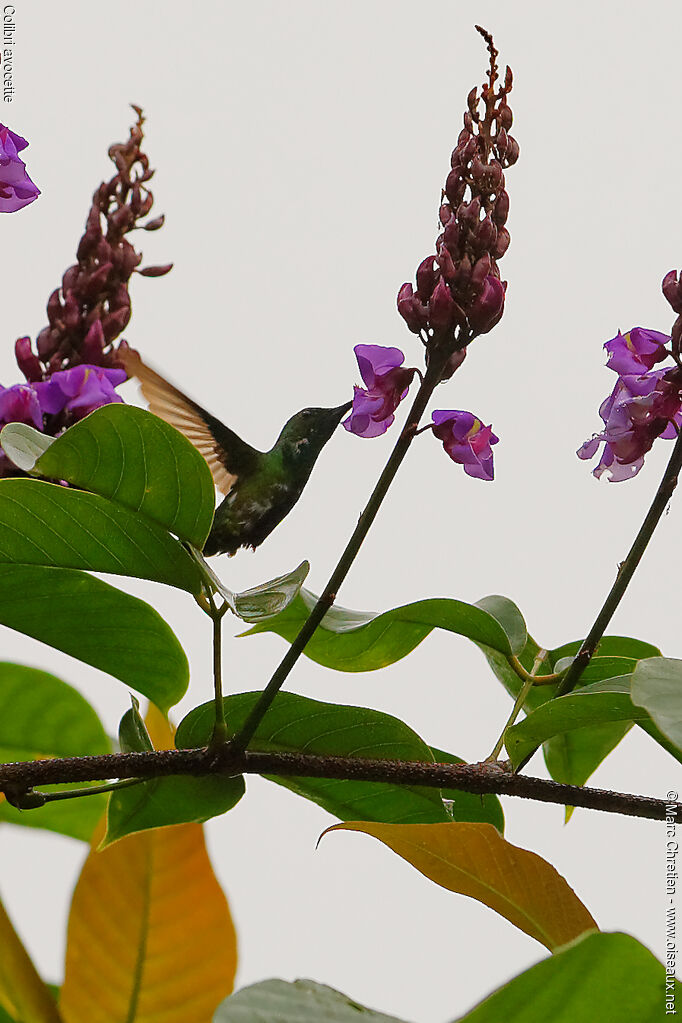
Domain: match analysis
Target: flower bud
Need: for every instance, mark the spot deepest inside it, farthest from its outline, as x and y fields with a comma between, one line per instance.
x=500, y=210
x=427, y=276
x=512, y=154
x=454, y=187
x=502, y=243
x=27, y=360
x=54, y=306
x=672, y=290
x=504, y=116
x=441, y=306
x=446, y=264
x=445, y=213
x=487, y=309
x=93, y=344
x=486, y=235
x=481, y=270
x=156, y=271
x=409, y=309
x=451, y=235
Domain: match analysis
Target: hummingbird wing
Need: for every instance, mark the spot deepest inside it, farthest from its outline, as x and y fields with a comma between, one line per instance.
x=228, y=456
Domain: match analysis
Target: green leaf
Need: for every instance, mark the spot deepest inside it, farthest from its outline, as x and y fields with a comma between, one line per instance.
x=97, y=624
x=657, y=687
x=161, y=802
x=43, y=717
x=133, y=736
x=364, y=641
x=24, y=445
x=581, y=710
x=600, y=978
x=44, y=524
x=296, y=724
x=572, y=756
x=135, y=459
x=303, y=1001
x=468, y=806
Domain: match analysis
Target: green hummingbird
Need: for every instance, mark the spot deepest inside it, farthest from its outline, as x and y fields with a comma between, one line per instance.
x=259, y=487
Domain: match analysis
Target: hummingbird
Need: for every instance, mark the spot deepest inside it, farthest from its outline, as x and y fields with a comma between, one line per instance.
x=259, y=487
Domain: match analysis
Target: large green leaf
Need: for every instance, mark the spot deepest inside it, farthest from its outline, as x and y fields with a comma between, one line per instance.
x=43, y=717
x=573, y=755
x=303, y=1001
x=97, y=624
x=600, y=978
x=657, y=687
x=364, y=641
x=44, y=524
x=585, y=709
x=296, y=724
x=134, y=458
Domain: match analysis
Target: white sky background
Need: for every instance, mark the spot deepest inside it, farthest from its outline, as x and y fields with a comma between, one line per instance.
x=300, y=150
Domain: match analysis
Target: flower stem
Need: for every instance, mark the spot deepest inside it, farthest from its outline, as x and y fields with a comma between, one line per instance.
x=529, y=679
x=434, y=371
x=220, y=727
x=626, y=570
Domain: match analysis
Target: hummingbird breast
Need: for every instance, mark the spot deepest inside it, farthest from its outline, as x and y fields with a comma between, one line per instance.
x=248, y=515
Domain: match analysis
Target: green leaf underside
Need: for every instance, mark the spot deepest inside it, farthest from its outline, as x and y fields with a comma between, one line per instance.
x=40, y=717
x=165, y=801
x=298, y=724
x=98, y=624
x=135, y=459
x=302, y=1001
x=362, y=641
x=600, y=978
x=657, y=688
x=45, y=524
x=24, y=444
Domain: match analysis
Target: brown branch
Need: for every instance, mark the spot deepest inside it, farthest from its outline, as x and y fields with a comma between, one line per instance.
x=17, y=779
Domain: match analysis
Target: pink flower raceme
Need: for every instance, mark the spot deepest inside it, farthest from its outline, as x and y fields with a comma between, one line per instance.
x=459, y=294
x=466, y=440
x=16, y=188
x=387, y=384
x=645, y=404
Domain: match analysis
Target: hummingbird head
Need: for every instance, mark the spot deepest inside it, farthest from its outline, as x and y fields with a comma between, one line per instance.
x=306, y=433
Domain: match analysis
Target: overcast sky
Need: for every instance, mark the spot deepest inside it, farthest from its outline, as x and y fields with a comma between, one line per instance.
x=300, y=150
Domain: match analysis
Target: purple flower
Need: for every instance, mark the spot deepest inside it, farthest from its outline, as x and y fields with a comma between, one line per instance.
x=638, y=410
x=16, y=188
x=637, y=351
x=466, y=440
x=19, y=404
x=387, y=384
x=79, y=390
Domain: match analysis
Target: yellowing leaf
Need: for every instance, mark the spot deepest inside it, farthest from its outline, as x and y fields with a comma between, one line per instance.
x=474, y=860
x=22, y=993
x=150, y=937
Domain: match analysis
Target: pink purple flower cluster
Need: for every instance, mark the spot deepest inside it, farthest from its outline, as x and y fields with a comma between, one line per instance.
x=16, y=188
x=645, y=403
x=459, y=294
x=465, y=438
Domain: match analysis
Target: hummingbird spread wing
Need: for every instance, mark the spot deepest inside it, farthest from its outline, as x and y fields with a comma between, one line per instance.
x=228, y=456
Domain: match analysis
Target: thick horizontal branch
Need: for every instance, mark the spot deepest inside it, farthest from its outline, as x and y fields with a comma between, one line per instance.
x=18, y=778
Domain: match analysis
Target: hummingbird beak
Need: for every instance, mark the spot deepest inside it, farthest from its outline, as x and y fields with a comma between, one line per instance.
x=331, y=418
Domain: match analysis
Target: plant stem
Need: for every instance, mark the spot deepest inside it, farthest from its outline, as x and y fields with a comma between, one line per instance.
x=431, y=378
x=519, y=702
x=220, y=727
x=480, y=778
x=626, y=571
x=93, y=790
